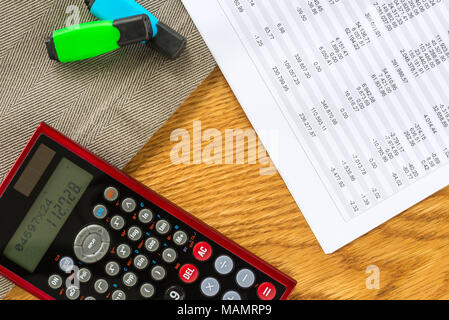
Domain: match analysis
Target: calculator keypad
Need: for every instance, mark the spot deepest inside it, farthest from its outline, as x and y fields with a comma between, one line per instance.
x=131, y=250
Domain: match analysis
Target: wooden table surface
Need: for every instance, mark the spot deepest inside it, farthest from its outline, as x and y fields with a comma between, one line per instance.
x=258, y=212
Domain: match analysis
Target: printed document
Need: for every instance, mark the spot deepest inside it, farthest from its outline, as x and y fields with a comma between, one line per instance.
x=357, y=92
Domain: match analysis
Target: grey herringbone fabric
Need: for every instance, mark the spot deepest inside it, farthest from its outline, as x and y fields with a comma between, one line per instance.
x=110, y=104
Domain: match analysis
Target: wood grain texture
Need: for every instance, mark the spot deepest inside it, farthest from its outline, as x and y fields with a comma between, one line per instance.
x=258, y=212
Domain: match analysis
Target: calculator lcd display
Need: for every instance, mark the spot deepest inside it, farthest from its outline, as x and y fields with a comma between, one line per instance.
x=47, y=215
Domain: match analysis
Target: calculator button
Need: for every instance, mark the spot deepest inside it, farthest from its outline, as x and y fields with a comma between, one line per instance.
x=128, y=205
x=118, y=295
x=66, y=264
x=224, y=265
x=169, y=255
x=145, y=216
x=90, y=298
x=100, y=211
x=111, y=194
x=134, y=233
x=101, y=286
x=147, y=290
x=84, y=258
x=140, y=262
x=123, y=251
x=117, y=223
x=202, y=251
x=102, y=252
x=129, y=279
x=91, y=244
x=84, y=275
x=188, y=273
x=210, y=287
x=102, y=232
x=158, y=273
x=163, y=227
x=245, y=278
x=231, y=296
x=94, y=246
x=112, y=269
x=55, y=281
x=80, y=237
x=152, y=244
x=180, y=238
x=174, y=293
x=72, y=293
x=266, y=291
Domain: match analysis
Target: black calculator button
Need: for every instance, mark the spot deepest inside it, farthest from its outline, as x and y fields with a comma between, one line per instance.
x=123, y=251
x=129, y=279
x=66, y=264
x=72, y=293
x=100, y=211
x=111, y=194
x=174, y=293
x=158, y=273
x=224, y=265
x=101, y=286
x=134, y=233
x=163, y=227
x=245, y=278
x=210, y=287
x=118, y=295
x=169, y=255
x=90, y=298
x=152, y=244
x=232, y=296
x=145, y=216
x=117, y=223
x=147, y=290
x=55, y=281
x=180, y=238
x=112, y=269
x=84, y=275
x=266, y=291
x=188, y=273
x=202, y=251
x=140, y=262
x=128, y=205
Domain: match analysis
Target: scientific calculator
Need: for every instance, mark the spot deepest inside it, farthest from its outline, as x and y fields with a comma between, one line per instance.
x=74, y=227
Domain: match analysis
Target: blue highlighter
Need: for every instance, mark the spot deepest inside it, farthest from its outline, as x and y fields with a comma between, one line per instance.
x=162, y=38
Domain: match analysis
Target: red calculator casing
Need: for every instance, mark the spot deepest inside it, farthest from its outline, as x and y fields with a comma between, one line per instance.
x=144, y=192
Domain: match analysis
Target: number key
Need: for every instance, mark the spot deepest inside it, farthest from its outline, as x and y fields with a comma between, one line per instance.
x=174, y=293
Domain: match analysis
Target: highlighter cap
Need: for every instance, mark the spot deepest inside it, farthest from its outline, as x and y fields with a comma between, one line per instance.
x=168, y=42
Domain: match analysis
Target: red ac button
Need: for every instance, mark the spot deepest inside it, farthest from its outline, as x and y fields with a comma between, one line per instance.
x=202, y=251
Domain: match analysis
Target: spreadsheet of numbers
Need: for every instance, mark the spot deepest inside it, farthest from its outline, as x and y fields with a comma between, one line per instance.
x=363, y=84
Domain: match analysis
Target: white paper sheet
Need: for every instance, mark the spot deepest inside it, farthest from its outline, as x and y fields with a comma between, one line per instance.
x=358, y=92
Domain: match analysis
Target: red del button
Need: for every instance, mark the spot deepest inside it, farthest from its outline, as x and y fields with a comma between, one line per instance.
x=202, y=251
x=188, y=273
x=266, y=291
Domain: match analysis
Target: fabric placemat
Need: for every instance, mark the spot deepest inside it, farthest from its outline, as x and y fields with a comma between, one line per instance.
x=110, y=104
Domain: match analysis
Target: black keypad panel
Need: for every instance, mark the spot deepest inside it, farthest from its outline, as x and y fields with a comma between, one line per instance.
x=132, y=249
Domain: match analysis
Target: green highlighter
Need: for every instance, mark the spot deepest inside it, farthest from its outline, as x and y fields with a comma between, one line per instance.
x=92, y=39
